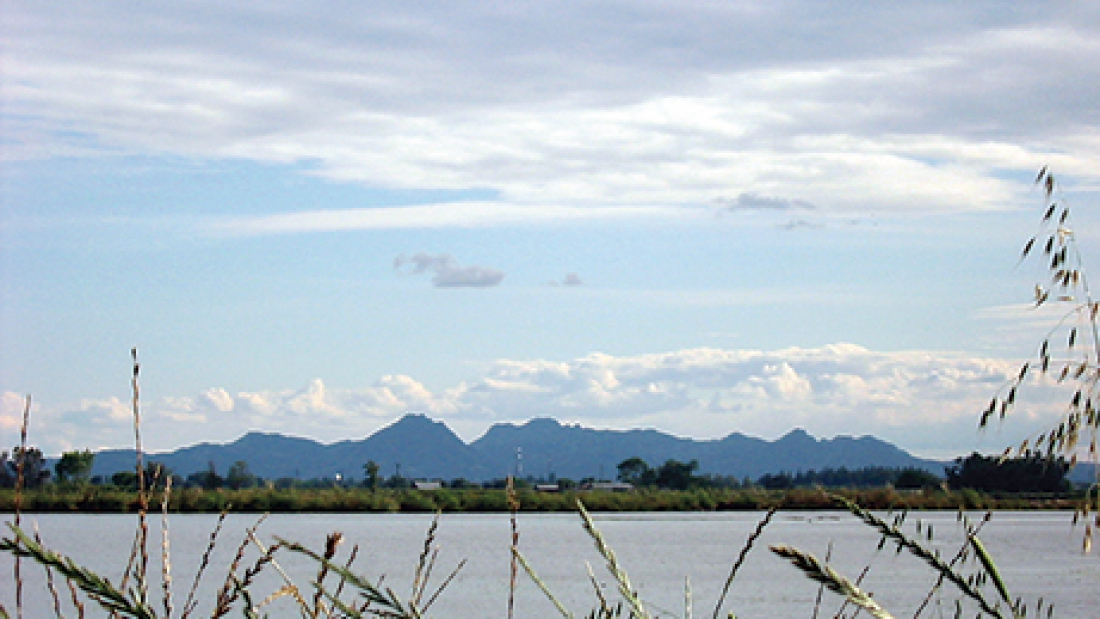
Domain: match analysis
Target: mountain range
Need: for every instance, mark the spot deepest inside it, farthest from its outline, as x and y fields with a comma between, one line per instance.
x=418, y=447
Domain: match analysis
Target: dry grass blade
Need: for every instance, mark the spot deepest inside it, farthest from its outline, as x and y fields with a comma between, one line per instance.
x=513, y=507
x=831, y=580
x=596, y=587
x=425, y=563
x=990, y=568
x=390, y=605
x=49, y=579
x=190, y=602
x=538, y=581
x=268, y=557
x=98, y=588
x=443, y=585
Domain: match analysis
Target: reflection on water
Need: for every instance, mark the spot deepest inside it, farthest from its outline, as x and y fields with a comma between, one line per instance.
x=668, y=556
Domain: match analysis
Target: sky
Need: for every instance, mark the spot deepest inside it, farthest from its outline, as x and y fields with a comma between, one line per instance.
x=700, y=217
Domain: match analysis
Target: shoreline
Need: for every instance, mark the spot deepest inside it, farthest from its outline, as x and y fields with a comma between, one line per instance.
x=481, y=500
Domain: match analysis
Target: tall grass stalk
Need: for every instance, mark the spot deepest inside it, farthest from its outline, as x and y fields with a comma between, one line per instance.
x=1077, y=366
x=831, y=579
x=757, y=532
x=20, y=484
x=513, y=508
x=626, y=590
x=931, y=557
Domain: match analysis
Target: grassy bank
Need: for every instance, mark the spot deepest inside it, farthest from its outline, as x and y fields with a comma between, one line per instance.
x=92, y=499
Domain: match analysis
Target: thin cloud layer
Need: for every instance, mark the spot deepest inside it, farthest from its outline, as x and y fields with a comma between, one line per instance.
x=926, y=402
x=894, y=108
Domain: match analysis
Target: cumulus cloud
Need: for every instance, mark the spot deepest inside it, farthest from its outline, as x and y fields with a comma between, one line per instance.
x=924, y=401
x=447, y=273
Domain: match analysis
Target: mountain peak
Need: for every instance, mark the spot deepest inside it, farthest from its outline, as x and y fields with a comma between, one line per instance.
x=797, y=435
x=542, y=423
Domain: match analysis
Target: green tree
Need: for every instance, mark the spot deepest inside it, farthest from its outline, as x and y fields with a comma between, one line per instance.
x=912, y=478
x=35, y=471
x=635, y=471
x=371, y=469
x=155, y=476
x=677, y=475
x=125, y=480
x=239, y=476
x=208, y=479
x=1031, y=473
x=7, y=471
x=74, y=466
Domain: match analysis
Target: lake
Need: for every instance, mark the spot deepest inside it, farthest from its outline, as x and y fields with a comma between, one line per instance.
x=665, y=555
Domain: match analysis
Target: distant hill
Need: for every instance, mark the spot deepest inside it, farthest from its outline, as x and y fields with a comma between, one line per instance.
x=424, y=448
x=543, y=446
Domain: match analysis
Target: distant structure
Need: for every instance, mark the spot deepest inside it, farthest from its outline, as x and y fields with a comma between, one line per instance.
x=609, y=486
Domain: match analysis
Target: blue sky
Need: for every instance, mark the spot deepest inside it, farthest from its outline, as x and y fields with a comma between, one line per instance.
x=699, y=217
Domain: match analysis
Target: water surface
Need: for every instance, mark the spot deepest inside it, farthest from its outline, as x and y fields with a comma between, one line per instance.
x=673, y=560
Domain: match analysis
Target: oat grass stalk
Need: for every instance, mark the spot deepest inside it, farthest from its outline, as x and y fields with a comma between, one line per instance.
x=831, y=580
x=971, y=531
x=760, y=526
x=166, y=561
x=931, y=557
x=129, y=604
x=1054, y=246
x=138, y=564
x=625, y=588
x=821, y=589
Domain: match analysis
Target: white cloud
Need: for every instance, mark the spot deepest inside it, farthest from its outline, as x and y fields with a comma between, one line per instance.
x=884, y=109
x=440, y=215
x=925, y=401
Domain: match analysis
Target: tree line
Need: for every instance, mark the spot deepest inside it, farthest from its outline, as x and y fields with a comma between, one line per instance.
x=1029, y=472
